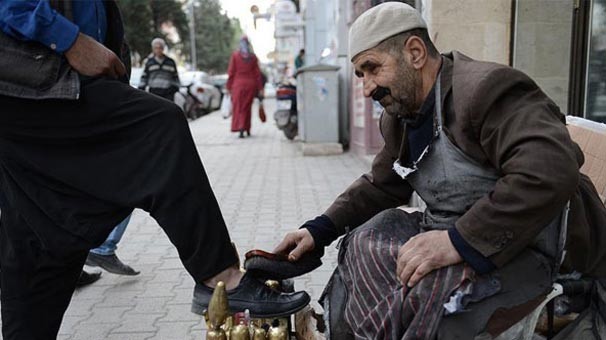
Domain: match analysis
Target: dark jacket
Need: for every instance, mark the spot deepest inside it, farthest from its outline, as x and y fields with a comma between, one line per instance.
x=32, y=70
x=499, y=117
x=162, y=75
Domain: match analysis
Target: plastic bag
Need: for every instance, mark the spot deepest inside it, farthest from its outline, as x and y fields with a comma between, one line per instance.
x=226, y=106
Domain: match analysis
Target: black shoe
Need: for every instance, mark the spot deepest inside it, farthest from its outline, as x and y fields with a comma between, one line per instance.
x=241, y=134
x=247, y=133
x=254, y=295
x=111, y=263
x=270, y=266
x=87, y=278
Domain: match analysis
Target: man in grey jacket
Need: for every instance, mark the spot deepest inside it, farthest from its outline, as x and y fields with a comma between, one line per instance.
x=160, y=74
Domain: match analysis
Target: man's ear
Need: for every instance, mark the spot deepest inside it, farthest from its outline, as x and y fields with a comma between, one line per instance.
x=417, y=52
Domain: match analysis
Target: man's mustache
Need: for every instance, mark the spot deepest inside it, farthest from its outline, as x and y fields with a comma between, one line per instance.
x=380, y=92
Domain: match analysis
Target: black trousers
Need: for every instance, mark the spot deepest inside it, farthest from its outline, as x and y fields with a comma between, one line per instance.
x=71, y=170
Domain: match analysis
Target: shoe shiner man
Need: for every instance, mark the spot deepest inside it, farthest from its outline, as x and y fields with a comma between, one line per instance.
x=489, y=153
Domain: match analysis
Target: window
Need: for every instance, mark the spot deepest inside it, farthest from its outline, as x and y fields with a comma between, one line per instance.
x=595, y=93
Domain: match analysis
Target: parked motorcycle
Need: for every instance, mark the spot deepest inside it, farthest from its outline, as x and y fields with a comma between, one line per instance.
x=286, y=113
x=188, y=101
x=197, y=96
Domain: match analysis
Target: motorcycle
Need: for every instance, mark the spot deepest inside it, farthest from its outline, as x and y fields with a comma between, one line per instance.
x=286, y=113
x=188, y=101
x=197, y=96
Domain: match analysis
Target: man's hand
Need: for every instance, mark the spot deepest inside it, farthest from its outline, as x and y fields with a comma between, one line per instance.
x=90, y=58
x=424, y=253
x=295, y=244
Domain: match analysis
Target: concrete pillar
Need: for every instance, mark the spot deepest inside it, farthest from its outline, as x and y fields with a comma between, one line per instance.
x=477, y=28
x=542, y=41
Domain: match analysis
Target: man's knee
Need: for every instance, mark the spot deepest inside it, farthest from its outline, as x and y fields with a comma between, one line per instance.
x=390, y=223
x=382, y=235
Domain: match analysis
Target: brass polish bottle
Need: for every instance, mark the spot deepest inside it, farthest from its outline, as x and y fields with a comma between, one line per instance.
x=218, y=307
x=239, y=332
x=216, y=334
x=259, y=334
x=218, y=311
x=278, y=333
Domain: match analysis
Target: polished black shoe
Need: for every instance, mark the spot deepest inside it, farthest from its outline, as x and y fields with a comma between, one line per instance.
x=254, y=295
x=266, y=265
x=111, y=263
x=87, y=278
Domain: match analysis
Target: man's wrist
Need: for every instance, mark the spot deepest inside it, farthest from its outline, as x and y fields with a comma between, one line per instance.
x=474, y=258
x=61, y=35
x=322, y=229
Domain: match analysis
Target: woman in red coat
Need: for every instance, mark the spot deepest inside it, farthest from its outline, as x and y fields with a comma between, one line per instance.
x=244, y=83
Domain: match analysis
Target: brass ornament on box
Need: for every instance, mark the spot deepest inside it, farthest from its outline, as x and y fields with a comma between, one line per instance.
x=220, y=322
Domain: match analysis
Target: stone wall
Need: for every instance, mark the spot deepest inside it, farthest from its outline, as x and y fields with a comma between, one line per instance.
x=480, y=29
x=542, y=45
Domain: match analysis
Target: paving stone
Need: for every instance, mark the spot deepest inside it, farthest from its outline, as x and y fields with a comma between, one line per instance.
x=178, y=330
x=180, y=312
x=152, y=305
x=107, y=315
x=134, y=323
x=93, y=330
x=130, y=336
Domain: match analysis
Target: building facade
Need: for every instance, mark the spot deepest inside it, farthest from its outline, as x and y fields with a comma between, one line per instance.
x=561, y=44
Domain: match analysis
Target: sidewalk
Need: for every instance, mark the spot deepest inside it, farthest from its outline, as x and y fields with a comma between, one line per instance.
x=265, y=189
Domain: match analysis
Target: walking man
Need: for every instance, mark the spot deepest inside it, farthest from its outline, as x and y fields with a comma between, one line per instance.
x=160, y=74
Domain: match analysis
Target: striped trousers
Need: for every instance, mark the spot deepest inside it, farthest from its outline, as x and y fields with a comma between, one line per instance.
x=378, y=306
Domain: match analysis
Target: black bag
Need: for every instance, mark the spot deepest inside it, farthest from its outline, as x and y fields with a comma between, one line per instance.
x=591, y=323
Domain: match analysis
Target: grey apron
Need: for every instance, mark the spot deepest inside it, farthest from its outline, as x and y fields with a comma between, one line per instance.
x=450, y=182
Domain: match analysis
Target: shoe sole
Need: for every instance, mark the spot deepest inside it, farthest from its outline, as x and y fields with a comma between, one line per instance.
x=199, y=309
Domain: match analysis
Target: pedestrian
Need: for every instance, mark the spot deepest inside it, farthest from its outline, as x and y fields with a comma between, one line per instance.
x=160, y=74
x=79, y=150
x=300, y=59
x=105, y=256
x=490, y=155
x=244, y=84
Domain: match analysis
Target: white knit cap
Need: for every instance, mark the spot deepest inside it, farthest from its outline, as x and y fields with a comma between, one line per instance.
x=381, y=22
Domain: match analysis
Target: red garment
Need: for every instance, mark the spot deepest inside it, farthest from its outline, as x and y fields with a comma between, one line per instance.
x=244, y=83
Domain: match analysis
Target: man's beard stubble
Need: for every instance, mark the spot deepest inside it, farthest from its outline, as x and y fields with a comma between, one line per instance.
x=404, y=91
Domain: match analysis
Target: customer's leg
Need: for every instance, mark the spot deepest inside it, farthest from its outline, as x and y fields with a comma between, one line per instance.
x=84, y=165
x=134, y=150
x=36, y=285
x=111, y=243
